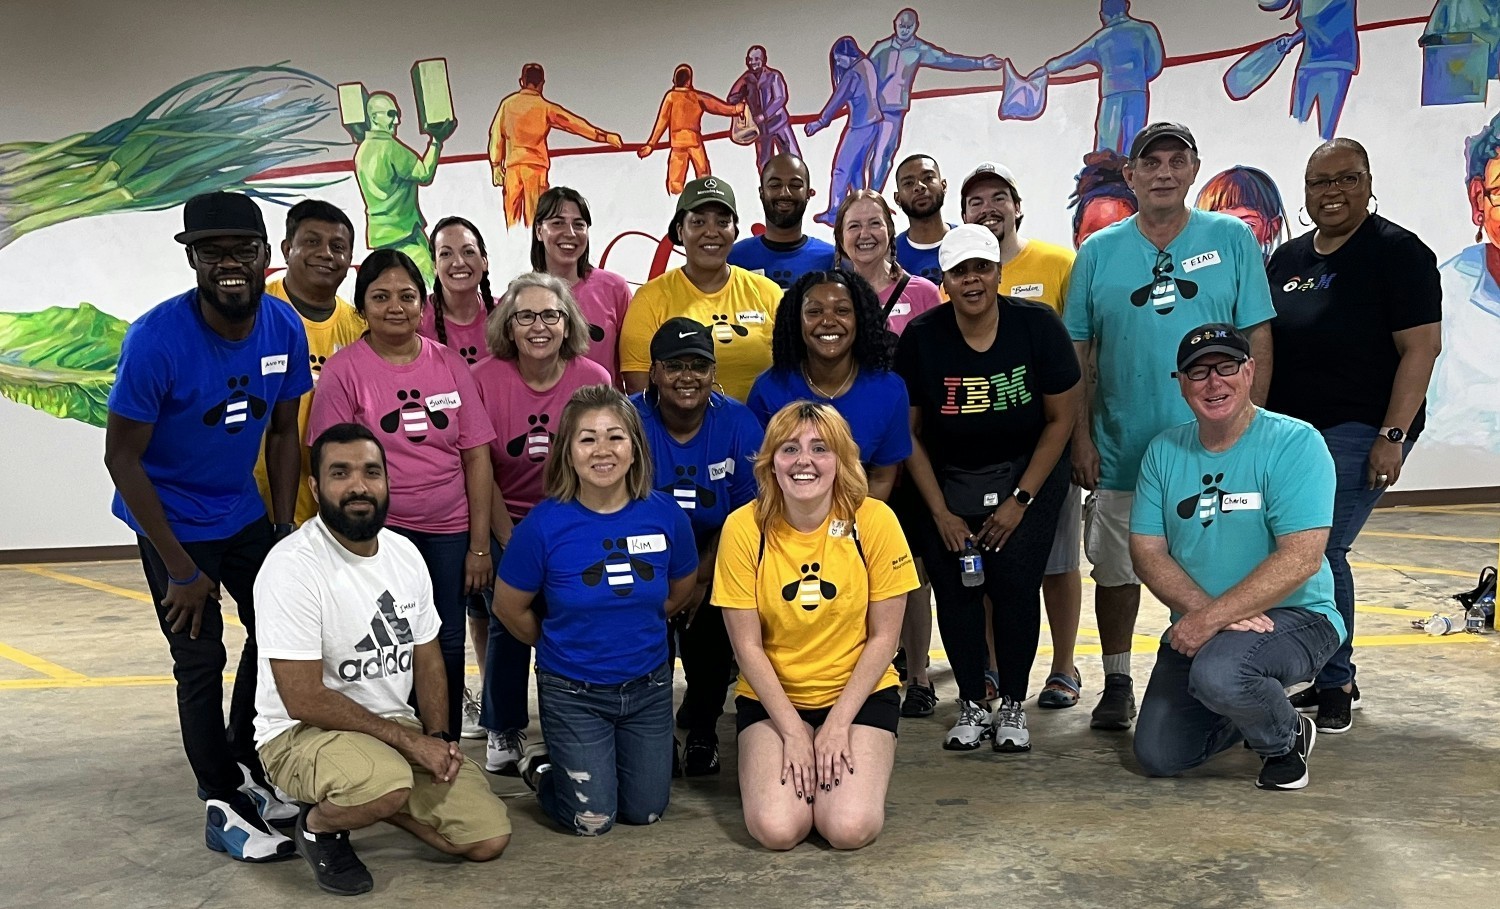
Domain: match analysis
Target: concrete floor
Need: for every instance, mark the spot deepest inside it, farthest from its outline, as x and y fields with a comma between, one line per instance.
x=96, y=803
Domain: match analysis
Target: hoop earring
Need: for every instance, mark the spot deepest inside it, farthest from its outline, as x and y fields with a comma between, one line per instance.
x=1376, y=200
x=1302, y=217
x=719, y=388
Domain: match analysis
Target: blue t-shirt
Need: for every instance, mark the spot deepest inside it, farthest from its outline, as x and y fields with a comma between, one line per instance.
x=711, y=474
x=1221, y=512
x=875, y=405
x=919, y=258
x=1136, y=312
x=209, y=401
x=783, y=263
x=606, y=578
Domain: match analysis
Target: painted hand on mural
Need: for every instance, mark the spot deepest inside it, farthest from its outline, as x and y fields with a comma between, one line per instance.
x=1129, y=55
x=1328, y=33
x=680, y=119
x=764, y=93
x=61, y=361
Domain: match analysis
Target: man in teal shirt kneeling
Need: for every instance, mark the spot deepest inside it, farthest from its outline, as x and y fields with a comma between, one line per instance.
x=1227, y=528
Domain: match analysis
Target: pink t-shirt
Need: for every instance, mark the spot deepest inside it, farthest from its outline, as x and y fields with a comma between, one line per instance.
x=468, y=339
x=603, y=298
x=525, y=422
x=425, y=413
x=919, y=296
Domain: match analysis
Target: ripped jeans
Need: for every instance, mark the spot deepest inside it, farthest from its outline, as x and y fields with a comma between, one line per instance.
x=611, y=750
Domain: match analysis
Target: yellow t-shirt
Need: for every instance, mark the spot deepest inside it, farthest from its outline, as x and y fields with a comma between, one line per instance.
x=1039, y=273
x=813, y=591
x=324, y=338
x=740, y=316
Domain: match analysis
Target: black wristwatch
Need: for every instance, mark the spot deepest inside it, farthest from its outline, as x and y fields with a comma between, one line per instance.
x=1022, y=496
x=282, y=531
x=1393, y=434
x=445, y=736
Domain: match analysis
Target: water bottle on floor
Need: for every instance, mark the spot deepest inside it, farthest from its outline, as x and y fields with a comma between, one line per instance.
x=1438, y=625
x=971, y=564
x=1474, y=618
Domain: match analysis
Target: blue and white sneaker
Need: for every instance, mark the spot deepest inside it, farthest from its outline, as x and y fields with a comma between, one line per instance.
x=275, y=807
x=238, y=831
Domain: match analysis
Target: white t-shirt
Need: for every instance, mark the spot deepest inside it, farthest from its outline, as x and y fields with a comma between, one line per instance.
x=362, y=617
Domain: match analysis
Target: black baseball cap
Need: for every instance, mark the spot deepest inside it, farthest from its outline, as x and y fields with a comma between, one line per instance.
x=1161, y=130
x=681, y=337
x=220, y=215
x=1215, y=337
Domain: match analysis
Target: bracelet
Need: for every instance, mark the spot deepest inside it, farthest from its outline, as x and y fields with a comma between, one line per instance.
x=478, y=553
x=197, y=573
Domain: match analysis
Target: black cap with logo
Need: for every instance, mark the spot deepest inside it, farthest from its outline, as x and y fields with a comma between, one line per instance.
x=1215, y=337
x=681, y=337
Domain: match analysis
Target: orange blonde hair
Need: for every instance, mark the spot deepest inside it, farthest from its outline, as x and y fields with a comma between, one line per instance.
x=850, y=486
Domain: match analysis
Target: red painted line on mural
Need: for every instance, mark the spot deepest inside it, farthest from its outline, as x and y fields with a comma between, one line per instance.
x=328, y=167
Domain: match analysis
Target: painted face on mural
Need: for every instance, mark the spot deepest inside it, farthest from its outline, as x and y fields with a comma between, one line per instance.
x=1100, y=213
x=991, y=203
x=1162, y=176
x=805, y=466
x=784, y=191
x=920, y=188
x=393, y=307
x=352, y=489
x=231, y=274
x=460, y=264
x=1338, y=188
x=828, y=321
x=865, y=238
x=1484, y=197
x=600, y=449
x=317, y=255
x=905, y=25
x=707, y=233
x=972, y=285
x=538, y=341
x=1264, y=230
x=565, y=237
x=755, y=60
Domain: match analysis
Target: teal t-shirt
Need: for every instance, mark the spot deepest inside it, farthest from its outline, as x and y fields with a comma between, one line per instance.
x=1136, y=315
x=1221, y=512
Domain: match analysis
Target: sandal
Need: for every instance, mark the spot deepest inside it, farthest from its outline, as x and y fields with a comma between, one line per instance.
x=1061, y=690
x=991, y=684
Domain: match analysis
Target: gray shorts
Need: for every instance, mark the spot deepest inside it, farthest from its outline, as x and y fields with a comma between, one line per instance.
x=1068, y=540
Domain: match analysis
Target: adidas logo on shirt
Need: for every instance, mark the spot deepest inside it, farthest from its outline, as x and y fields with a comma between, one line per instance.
x=388, y=631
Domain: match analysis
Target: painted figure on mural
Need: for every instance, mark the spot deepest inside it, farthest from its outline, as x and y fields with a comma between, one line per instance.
x=1101, y=196
x=1465, y=409
x=1129, y=55
x=896, y=60
x=389, y=172
x=855, y=87
x=1460, y=51
x=1327, y=32
x=680, y=118
x=763, y=92
x=519, y=162
x=1249, y=193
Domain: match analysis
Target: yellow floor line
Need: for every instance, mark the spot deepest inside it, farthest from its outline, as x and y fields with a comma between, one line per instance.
x=1428, y=536
x=42, y=571
x=1476, y=510
x=37, y=664
x=1392, y=610
x=1419, y=569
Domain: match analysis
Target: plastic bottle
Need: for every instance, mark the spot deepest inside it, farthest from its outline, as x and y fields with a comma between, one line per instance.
x=1474, y=619
x=1439, y=625
x=971, y=563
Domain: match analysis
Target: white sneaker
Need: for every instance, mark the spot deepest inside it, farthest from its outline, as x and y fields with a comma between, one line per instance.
x=228, y=830
x=1008, y=727
x=972, y=728
x=275, y=806
x=503, y=752
x=471, y=727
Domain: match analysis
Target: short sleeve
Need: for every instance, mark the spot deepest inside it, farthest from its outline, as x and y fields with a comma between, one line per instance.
x=333, y=401
x=1056, y=359
x=474, y=427
x=1146, y=515
x=1078, y=307
x=735, y=564
x=142, y=378
x=683, y=548
x=1300, y=485
x=892, y=406
x=524, y=563
x=1416, y=296
x=1252, y=304
x=288, y=617
x=642, y=319
x=745, y=445
x=888, y=558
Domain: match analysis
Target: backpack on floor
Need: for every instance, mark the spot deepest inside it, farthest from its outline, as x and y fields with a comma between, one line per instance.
x=1484, y=590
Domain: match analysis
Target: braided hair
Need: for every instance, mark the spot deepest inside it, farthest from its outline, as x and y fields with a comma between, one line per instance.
x=437, y=285
x=873, y=348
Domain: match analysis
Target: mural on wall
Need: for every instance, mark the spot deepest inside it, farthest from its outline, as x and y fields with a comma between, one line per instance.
x=764, y=93
x=1128, y=54
x=1329, y=37
x=1460, y=51
x=1249, y=193
x=61, y=360
x=1100, y=196
x=855, y=94
x=680, y=118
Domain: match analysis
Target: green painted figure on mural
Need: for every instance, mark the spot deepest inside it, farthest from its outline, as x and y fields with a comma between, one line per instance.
x=389, y=172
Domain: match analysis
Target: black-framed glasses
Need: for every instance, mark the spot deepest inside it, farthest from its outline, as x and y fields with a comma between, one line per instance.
x=698, y=366
x=213, y=254
x=1200, y=372
x=1492, y=193
x=1342, y=181
x=529, y=316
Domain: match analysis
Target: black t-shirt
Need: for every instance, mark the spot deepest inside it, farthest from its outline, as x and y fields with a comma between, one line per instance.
x=985, y=407
x=1333, y=357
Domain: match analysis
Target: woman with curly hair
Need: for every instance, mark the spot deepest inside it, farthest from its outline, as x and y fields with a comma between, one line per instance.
x=830, y=345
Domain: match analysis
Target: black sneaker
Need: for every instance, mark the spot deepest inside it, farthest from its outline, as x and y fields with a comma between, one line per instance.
x=1306, y=700
x=1116, y=707
x=921, y=700
x=334, y=865
x=700, y=757
x=1289, y=771
x=534, y=762
x=1334, y=717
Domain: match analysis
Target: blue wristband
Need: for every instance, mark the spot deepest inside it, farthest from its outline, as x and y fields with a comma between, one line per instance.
x=197, y=573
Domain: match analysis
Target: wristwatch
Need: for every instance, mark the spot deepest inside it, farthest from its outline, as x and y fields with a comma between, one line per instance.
x=1022, y=496
x=282, y=531
x=1393, y=434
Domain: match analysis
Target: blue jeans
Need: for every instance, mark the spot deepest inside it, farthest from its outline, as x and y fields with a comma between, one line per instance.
x=611, y=750
x=1233, y=688
x=507, y=667
x=444, y=555
x=1349, y=443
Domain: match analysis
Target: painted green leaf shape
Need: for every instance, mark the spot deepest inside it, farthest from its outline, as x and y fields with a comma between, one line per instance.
x=61, y=361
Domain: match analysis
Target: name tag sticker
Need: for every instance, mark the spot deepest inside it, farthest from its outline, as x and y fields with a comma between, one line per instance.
x=444, y=401
x=750, y=318
x=838, y=528
x=721, y=470
x=1201, y=261
x=651, y=542
x=1027, y=290
x=1240, y=501
x=991, y=499
x=269, y=365
x=901, y=309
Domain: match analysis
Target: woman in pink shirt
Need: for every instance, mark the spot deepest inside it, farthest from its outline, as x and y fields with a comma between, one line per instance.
x=862, y=232
x=538, y=340
x=420, y=400
x=461, y=299
x=560, y=247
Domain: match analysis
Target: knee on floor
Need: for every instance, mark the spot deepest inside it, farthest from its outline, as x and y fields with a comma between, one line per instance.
x=486, y=850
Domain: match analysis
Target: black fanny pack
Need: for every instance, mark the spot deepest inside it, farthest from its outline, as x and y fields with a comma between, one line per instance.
x=976, y=493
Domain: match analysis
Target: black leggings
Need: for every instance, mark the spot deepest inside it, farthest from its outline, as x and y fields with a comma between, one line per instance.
x=1012, y=581
x=707, y=659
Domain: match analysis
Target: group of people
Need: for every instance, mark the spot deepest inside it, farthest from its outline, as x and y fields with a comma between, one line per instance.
x=776, y=457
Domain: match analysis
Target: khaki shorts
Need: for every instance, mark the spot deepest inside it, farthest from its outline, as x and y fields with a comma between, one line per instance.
x=1106, y=537
x=351, y=769
x=1064, y=556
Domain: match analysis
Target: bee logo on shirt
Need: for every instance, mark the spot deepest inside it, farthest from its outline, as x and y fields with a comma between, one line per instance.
x=1205, y=503
x=237, y=409
x=618, y=569
x=470, y=354
x=413, y=416
x=809, y=590
x=596, y=333
x=687, y=492
x=535, y=442
x=1163, y=291
x=724, y=331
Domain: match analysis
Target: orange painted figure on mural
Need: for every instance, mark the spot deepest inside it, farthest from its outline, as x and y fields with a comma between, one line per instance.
x=681, y=119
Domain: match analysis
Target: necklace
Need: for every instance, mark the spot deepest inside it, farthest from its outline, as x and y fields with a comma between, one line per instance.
x=853, y=371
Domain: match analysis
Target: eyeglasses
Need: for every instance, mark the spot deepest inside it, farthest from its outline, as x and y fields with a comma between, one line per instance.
x=1343, y=181
x=699, y=367
x=529, y=316
x=1492, y=193
x=1200, y=372
x=214, y=254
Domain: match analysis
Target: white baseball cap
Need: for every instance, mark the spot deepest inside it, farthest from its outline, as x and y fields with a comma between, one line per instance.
x=965, y=242
x=989, y=169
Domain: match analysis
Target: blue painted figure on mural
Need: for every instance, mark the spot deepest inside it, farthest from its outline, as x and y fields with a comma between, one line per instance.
x=1460, y=51
x=1326, y=30
x=896, y=60
x=1128, y=53
x=855, y=85
x=763, y=91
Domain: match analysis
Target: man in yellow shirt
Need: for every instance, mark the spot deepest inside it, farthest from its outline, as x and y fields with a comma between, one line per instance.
x=318, y=246
x=519, y=161
x=1036, y=270
x=680, y=118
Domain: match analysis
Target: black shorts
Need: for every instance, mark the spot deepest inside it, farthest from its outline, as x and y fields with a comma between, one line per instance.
x=881, y=710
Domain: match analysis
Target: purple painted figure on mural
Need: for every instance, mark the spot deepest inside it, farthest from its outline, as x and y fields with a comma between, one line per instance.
x=854, y=88
x=763, y=91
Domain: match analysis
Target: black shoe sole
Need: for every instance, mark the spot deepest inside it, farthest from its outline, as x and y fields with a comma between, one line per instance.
x=1110, y=725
